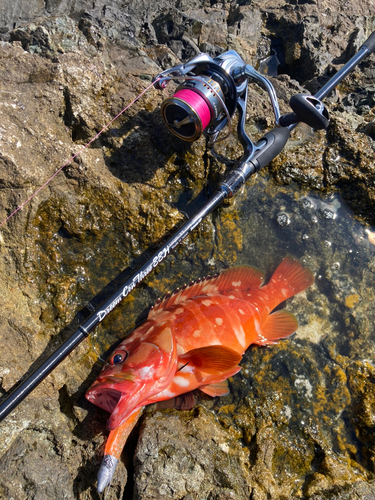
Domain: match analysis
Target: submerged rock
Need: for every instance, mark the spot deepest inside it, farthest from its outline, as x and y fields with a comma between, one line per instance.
x=299, y=421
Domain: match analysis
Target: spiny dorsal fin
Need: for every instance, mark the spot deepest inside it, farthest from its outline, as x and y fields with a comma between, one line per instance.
x=236, y=278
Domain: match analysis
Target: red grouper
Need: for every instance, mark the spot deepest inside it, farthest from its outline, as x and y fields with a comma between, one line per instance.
x=192, y=339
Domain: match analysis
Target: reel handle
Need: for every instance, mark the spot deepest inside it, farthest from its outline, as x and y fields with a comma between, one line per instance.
x=307, y=109
x=310, y=109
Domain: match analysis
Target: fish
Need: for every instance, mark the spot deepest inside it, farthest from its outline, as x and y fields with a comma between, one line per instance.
x=193, y=339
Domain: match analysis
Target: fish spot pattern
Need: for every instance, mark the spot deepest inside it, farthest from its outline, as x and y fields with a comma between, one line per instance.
x=180, y=350
x=219, y=321
x=257, y=326
x=168, y=394
x=145, y=371
x=240, y=335
x=181, y=381
x=236, y=284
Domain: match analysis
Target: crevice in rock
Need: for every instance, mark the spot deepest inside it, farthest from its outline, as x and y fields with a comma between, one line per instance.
x=77, y=126
x=66, y=404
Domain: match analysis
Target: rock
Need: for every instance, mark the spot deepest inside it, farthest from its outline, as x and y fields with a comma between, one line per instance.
x=189, y=455
x=39, y=461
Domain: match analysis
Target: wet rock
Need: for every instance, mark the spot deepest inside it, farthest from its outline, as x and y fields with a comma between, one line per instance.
x=35, y=458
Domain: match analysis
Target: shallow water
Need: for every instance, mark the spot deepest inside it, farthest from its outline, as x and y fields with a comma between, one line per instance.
x=305, y=384
x=261, y=225
x=258, y=227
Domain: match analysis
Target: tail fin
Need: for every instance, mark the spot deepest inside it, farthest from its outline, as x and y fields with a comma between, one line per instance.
x=290, y=278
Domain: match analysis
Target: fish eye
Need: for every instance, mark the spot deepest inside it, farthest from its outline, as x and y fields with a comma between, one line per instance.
x=118, y=357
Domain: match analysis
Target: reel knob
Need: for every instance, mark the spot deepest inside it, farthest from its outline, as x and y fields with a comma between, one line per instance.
x=307, y=109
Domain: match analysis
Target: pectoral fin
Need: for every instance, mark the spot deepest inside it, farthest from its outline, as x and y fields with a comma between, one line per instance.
x=214, y=359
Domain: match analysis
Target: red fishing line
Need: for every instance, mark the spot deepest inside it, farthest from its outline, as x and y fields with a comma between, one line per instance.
x=79, y=152
x=197, y=103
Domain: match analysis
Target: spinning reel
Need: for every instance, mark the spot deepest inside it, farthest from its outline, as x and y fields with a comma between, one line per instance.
x=212, y=90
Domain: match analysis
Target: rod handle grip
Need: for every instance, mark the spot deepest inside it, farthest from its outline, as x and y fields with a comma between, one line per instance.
x=370, y=43
x=270, y=145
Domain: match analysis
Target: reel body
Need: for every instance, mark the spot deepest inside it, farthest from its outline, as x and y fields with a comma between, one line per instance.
x=212, y=90
x=210, y=93
x=200, y=102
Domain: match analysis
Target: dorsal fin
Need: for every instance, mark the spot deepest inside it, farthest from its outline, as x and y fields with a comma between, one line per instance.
x=236, y=278
x=239, y=278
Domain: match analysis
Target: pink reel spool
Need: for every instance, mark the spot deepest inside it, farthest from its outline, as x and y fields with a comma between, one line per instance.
x=194, y=107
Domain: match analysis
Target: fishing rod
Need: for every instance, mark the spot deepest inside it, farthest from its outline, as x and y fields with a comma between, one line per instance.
x=205, y=102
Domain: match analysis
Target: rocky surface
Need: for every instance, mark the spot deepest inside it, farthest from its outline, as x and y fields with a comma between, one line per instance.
x=299, y=422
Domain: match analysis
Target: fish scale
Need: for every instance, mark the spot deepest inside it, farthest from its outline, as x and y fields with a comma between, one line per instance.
x=206, y=322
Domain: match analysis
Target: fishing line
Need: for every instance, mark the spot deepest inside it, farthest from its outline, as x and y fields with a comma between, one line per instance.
x=77, y=154
x=182, y=367
x=197, y=103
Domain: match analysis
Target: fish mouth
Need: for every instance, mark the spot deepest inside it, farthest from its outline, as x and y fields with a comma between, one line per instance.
x=105, y=398
x=108, y=393
x=119, y=398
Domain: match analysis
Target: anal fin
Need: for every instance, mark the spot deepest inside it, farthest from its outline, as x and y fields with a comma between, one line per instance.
x=218, y=389
x=279, y=325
